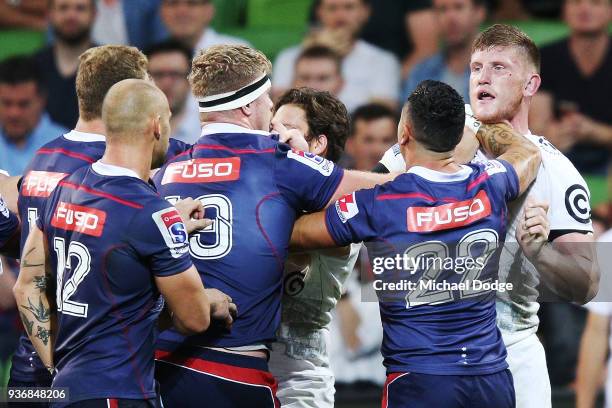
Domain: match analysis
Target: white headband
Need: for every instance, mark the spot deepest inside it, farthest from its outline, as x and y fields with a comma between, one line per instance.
x=235, y=99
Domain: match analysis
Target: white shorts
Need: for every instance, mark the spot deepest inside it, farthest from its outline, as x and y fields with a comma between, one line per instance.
x=301, y=383
x=527, y=363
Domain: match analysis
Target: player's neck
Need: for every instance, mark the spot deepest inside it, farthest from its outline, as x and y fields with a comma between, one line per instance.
x=441, y=162
x=131, y=157
x=90, y=126
x=520, y=121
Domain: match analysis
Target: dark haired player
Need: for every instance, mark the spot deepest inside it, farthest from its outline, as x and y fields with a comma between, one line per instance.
x=439, y=349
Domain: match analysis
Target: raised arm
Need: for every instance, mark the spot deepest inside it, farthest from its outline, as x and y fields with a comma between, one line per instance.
x=34, y=295
x=357, y=180
x=503, y=142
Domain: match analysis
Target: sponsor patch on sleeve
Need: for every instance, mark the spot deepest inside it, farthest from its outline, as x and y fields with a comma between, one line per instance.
x=346, y=207
x=3, y=208
x=494, y=167
x=173, y=231
x=323, y=166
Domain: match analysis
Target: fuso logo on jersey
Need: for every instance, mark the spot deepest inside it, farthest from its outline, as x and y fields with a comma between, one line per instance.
x=203, y=171
x=447, y=216
x=323, y=166
x=346, y=207
x=41, y=183
x=173, y=230
x=86, y=220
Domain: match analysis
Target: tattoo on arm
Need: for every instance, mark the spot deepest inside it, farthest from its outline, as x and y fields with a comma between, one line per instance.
x=43, y=334
x=41, y=282
x=40, y=312
x=28, y=263
x=27, y=323
x=495, y=139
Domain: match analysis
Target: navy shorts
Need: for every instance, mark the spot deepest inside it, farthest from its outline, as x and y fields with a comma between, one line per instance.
x=114, y=403
x=413, y=390
x=194, y=377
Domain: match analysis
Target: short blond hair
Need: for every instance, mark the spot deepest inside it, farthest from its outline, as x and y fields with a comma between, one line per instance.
x=226, y=68
x=504, y=35
x=102, y=67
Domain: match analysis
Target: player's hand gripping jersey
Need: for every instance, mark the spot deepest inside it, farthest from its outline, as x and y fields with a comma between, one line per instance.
x=254, y=188
x=454, y=216
x=109, y=233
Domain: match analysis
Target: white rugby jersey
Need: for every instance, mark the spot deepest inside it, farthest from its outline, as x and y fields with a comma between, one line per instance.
x=309, y=298
x=560, y=185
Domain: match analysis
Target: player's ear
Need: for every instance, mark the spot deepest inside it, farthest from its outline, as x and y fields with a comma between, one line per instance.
x=157, y=127
x=246, y=109
x=319, y=145
x=532, y=85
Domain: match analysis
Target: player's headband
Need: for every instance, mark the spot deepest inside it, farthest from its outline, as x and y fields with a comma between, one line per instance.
x=235, y=99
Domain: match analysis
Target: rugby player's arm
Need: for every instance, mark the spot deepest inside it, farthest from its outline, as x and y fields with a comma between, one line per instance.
x=592, y=359
x=354, y=180
x=189, y=306
x=310, y=232
x=34, y=296
x=503, y=142
x=10, y=192
x=568, y=266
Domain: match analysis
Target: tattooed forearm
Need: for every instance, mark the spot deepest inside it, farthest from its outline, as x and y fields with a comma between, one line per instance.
x=28, y=262
x=502, y=141
x=40, y=312
x=43, y=334
x=27, y=323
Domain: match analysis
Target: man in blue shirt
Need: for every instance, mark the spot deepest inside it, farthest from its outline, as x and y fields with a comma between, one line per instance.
x=459, y=21
x=24, y=126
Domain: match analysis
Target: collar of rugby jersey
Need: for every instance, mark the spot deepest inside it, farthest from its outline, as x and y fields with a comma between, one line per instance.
x=214, y=128
x=77, y=136
x=104, y=169
x=439, y=177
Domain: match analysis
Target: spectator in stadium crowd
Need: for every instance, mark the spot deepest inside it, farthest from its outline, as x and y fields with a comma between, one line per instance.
x=30, y=14
x=458, y=22
x=169, y=65
x=407, y=28
x=370, y=73
x=24, y=125
x=320, y=68
x=573, y=108
x=373, y=132
x=128, y=22
x=188, y=21
x=70, y=23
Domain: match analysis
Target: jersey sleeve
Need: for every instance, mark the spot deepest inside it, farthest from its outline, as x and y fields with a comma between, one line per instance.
x=306, y=180
x=9, y=224
x=176, y=147
x=158, y=234
x=503, y=177
x=350, y=220
x=566, y=192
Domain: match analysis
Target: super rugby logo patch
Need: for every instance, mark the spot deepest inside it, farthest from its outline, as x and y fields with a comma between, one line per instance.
x=173, y=230
x=346, y=207
x=323, y=166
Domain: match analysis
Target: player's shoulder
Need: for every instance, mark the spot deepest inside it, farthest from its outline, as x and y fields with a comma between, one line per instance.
x=554, y=162
x=301, y=158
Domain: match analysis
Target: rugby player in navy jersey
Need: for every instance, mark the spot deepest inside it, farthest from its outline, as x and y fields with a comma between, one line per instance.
x=254, y=187
x=99, y=69
x=111, y=245
x=441, y=347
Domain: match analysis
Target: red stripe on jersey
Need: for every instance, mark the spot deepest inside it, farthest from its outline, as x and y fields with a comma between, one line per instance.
x=86, y=220
x=383, y=197
x=448, y=216
x=478, y=180
x=202, y=170
x=234, y=373
x=101, y=194
x=390, y=378
x=113, y=403
x=229, y=149
x=65, y=152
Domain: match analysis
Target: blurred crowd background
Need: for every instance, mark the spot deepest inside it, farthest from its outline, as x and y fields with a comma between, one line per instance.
x=369, y=53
